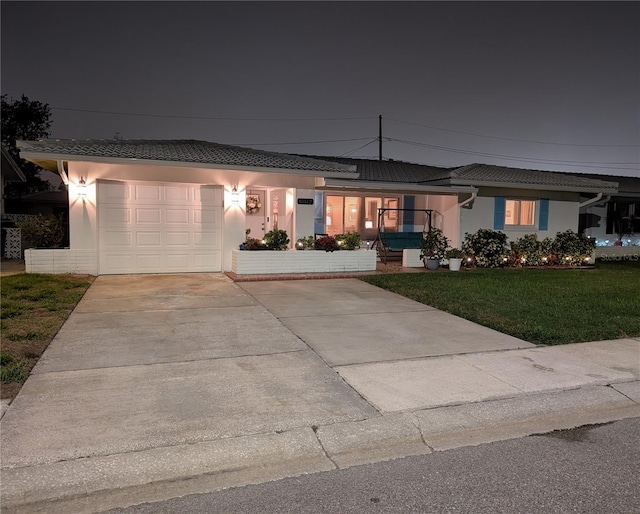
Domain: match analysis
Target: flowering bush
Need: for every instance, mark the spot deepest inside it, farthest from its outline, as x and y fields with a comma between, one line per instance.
x=528, y=251
x=349, y=241
x=571, y=248
x=488, y=248
x=434, y=245
x=327, y=243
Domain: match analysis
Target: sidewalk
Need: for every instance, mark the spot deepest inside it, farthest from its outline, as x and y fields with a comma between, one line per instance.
x=161, y=386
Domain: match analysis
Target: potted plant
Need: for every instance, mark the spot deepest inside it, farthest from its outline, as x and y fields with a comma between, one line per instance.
x=455, y=256
x=434, y=246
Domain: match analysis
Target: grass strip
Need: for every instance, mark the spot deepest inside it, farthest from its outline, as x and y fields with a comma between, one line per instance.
x=33, y=308
x=542, y=306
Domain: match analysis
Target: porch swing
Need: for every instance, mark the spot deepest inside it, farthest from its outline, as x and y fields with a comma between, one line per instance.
x=389, y=245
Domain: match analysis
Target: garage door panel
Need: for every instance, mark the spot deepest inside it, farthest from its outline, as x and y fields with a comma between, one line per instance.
x=117, y=215
x=152, y=228
x=115, y=191
x=212, y=239
x=179, y=195
x=209, y=196
x=207, y=217
x=147, y=192
x=148, y=239
x=147, y=215
x=204, y=261
x=118, y=238
x=178, y=261
x=177, y=216
x=177, y=238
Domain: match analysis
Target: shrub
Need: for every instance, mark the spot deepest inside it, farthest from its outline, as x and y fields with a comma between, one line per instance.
x=434, y=244
x=276, y=239
x=43, y=231
x=488, y=248
x=571, y=248
x=305, y=243
x=349, y=241
x=253, y=244
x=327, y=243
x=528, y=251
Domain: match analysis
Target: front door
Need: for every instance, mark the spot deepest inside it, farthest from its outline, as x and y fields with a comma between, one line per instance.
x=256, y=212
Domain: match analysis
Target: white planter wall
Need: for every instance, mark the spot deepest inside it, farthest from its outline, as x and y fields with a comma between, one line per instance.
x=61, y=261
x=302, y=261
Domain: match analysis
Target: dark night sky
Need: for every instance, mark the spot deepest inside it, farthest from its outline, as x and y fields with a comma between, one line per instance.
x=563, y=73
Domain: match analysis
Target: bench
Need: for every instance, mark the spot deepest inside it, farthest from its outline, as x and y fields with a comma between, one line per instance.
x=390, y=244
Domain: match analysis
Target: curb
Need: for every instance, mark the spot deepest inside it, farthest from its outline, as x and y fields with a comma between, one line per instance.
x=121, y=480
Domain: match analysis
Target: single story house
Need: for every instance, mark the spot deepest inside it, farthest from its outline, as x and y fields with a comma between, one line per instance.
x=184, y=206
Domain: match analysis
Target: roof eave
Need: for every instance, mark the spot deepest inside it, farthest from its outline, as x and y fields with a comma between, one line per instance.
x=42, y=157
x=539, y=187
x=20, y=177
x=409, y=187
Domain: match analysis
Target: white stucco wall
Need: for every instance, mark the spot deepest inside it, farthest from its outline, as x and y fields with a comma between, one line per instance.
x=303, y=214
x=445, y=215
x=83, y=218
x=563, y=212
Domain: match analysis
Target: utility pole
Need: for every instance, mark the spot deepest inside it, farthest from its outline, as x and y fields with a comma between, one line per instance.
x=380, y=137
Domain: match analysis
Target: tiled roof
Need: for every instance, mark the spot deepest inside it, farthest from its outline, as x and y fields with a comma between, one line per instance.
x=629, y=186
x=390, y=171
x=471, y=175
x=184, y=151
x=480, y=174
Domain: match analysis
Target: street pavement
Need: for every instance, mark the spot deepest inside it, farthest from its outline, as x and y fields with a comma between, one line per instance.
x=591, y=470
x=159, y=386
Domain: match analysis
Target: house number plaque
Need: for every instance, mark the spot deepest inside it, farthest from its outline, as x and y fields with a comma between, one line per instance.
x=305, y=201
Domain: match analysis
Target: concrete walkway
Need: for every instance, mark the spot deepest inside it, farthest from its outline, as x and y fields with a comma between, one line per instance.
x=165, y=385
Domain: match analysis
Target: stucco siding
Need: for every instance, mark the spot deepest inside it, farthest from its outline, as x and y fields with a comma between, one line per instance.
x=83, y=216
x=563, y=212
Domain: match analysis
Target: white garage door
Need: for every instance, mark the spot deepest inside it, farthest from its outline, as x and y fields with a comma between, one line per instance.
x=145, y=227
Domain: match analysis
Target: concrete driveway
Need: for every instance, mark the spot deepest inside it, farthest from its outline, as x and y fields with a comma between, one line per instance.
x=151, y=361
x=164, y=385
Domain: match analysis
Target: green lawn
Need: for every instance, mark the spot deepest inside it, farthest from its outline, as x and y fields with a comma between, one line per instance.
x=34, y=307
x=542, y=306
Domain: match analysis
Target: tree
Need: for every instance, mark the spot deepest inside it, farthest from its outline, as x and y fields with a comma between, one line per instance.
x=25, y=119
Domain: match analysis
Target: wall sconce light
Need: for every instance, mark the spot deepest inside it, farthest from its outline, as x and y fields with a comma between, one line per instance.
x=235, y=196
x=82, y=187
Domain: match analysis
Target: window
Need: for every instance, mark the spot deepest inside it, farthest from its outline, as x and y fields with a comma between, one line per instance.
x=520, y=213
x=359, y=214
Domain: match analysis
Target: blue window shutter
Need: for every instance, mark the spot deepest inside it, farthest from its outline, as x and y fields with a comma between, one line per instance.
x=500, y=205
x=409, y=216
x=543, y=223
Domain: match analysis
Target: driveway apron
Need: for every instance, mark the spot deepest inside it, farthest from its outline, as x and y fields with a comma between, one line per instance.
x=159, y=360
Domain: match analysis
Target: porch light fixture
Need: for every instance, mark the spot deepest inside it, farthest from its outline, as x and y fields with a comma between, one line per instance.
x=368, y=224
x=235, y=196
x=82, y=187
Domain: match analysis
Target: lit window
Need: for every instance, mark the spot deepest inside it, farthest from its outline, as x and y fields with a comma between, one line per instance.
x=359, y=214
x=520, y=212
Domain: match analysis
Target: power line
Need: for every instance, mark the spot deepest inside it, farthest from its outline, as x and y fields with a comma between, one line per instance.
x=302, y=142
x=219, y=118
x=504, y=138
x=347, y=154
x=584, y=164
